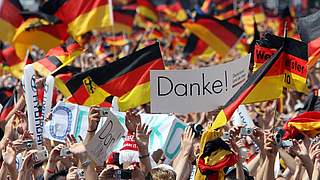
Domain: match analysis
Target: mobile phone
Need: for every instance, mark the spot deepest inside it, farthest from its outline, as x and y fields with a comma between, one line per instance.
x=103, y=112
x=65, y=152
x=246, y=131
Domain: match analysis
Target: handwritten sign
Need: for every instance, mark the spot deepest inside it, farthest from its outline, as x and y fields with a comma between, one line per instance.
x=35, y=123
x=241, y=117
x=196, y=90
x=105, y=139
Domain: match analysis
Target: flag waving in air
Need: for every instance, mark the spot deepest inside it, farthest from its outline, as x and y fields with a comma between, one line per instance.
x=309, y=30
x=240, y=96
x=57, y=58
x=221, y=35
x=127, y=78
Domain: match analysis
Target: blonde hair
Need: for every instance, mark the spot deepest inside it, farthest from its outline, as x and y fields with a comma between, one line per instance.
x=160, y=173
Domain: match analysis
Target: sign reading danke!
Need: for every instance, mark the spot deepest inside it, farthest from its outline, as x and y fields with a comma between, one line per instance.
x=196, y=90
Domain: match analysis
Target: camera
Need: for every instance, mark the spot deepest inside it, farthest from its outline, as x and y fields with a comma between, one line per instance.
x=27, y=144
x=103, y=112
x=120, y=174
x=243, y=152
x=197, y=129
x=278, y=136
x=81, y=174
x=40, y=156
x=65, y=152
x=287, y=143
x=246, y=131
x=226, y=136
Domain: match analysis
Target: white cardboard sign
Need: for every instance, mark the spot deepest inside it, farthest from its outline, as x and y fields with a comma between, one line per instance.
x=241, y=117
x=196, y=90
x=105, y=139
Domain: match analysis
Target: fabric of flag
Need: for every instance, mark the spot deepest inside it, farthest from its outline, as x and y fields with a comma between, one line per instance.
x=5, y=94
x=291, y=71
x=57, y=58
x=116, y=40
x=220, y=35
x=308, y=123
x=14, y=63
x=176, y=28
x=127, y=78
x=155, y=34
x=248, y=16
x=39, y=32
x=123, y=20
x=172, y=9
x=147, y=9
x=81, y=16
x=10, y=19
x=214, y=156
x=196, y=49
x=309, y=30
x=62, y=76
x=247, y=89
x=7, y=108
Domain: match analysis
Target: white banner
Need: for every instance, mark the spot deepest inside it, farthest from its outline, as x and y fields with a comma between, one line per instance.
x=165, y=135
x=47, y=96
x=105, y=139
x=73, y=119
x=197, y=90
x=35, y=124
x=241, y=117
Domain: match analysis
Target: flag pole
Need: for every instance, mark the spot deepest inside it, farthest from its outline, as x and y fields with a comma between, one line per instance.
x=242, y=35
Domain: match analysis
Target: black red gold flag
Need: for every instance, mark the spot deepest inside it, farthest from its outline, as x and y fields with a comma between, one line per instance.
x=127, y=78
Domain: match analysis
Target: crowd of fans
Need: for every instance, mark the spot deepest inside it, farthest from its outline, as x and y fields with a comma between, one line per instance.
x=261, y=154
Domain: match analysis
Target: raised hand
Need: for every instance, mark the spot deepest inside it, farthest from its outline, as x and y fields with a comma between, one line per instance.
x=132, y=120
x=9, y=154
x=187, y=140
x=78, y=149
x=94, y=118
x=142, y=137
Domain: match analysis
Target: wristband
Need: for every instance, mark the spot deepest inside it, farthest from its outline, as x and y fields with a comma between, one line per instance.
x=51, y=171
x=85, y=164
x=91, y=131
x=143, y=156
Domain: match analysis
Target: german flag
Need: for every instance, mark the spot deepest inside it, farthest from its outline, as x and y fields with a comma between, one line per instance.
x=7, y=108
x=10, y=19
x=176, y=28
x=81, y=16
x=220, y=35
x=196, y=49
x=249, y=15
x=39, y=32
x=147, y=10
x=309, y=30
x=292, y=71
x=116, y=40
x=14, y=63
x=215, y=155
x=172, y=9
x=155, y=34
x=123, y=20
x=5, y=94
x=57, y=58
x=248, y=87
x=62, y=76
x=308, y=123
x=127, y=78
